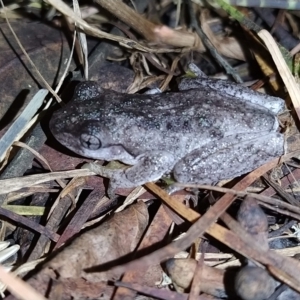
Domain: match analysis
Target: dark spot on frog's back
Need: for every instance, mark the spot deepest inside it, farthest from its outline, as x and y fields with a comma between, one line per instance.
x=169, y=126
x=216, y=133
x=186, y=124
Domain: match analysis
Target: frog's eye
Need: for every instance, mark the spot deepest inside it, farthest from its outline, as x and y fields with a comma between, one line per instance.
x=90, y=141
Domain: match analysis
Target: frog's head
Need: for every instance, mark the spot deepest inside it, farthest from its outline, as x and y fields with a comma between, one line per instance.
x=84, y=137
x=82, y=125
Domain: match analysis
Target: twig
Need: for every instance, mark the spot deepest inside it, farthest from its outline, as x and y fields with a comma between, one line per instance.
x=283, y=70
x=213, y=51
x=18, y=287
x=149, y=30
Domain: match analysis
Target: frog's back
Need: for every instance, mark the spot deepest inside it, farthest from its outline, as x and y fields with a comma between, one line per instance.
x=179, y=121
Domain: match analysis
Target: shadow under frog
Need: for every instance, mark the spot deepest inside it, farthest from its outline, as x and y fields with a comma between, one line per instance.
x=209, y=131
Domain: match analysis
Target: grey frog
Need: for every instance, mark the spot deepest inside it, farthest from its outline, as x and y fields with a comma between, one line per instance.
x=209, y=131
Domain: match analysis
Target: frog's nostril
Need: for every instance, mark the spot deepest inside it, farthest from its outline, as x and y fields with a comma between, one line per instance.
x=89, y=141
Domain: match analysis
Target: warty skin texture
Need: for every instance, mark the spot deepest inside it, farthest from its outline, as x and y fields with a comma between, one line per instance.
x=202, y=135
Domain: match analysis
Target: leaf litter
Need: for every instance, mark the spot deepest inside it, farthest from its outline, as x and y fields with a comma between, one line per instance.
x=130, y=251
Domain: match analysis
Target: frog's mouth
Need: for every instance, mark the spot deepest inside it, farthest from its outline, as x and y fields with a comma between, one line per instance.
x=69, y=141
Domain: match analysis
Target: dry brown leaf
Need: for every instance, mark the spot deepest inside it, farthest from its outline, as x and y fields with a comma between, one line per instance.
x=182, y=271
x=110, y=241
x=227, y=46
x=44, y=43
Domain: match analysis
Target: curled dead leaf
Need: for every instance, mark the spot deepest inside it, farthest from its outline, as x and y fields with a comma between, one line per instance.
x=106, y=243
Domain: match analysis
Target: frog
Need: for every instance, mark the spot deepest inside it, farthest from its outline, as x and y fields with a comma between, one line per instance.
x=210, y=130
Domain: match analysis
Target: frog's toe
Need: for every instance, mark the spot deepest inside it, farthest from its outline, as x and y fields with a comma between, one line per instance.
x=102, y=171
x=173, y=188
x=111, y=191
x=91, y=166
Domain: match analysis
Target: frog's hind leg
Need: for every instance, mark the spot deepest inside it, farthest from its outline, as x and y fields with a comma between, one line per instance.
x=229, y=158
x=244, y=94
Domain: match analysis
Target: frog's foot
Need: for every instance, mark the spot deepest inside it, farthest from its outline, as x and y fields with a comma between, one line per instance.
x=149, y=167
x=173, y=188
x=102, y=171
x=153, y=91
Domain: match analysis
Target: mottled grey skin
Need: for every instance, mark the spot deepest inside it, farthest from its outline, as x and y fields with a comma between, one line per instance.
x=201, y=135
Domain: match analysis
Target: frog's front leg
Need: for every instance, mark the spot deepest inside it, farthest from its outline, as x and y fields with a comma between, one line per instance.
x=149, y=167
x=228, y=158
